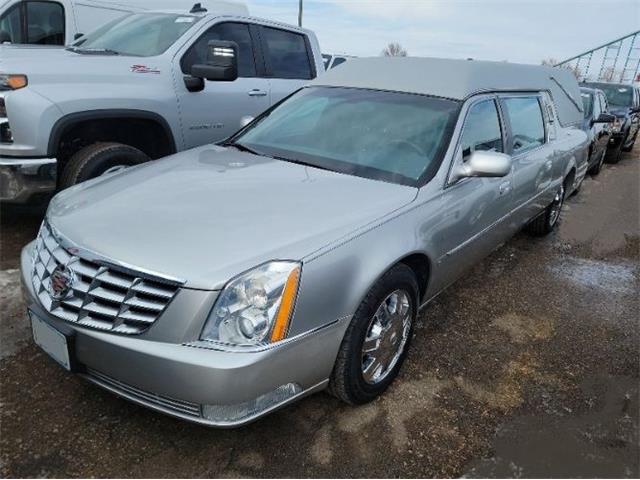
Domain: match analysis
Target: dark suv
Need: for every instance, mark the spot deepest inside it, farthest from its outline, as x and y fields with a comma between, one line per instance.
x=624, y=103
x=597, y=123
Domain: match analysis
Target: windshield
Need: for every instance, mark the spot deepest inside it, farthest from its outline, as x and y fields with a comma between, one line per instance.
x=389, y=136
x=140, y=34
x=587, y=103
x=617, y=95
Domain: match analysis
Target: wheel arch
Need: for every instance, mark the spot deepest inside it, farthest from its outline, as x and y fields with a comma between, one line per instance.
x=73, y=120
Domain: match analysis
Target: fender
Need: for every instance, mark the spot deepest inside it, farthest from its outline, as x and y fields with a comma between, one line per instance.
x=61, y=125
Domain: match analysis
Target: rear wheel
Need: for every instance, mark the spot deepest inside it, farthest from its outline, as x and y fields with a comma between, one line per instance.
x=617, y=155
x=595, y=170
x=629, y=147
x=99, y=159
x=544, y=223
x=377, y=340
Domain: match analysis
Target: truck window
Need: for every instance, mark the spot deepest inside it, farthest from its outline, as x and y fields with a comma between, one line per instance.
x=482, y=129
x=527, y=125
x=234, y=32
x=45, y=23
x=287, y=54
x=11, y=25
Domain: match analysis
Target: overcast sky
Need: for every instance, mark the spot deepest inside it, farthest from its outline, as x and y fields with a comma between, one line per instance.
x=516, y=30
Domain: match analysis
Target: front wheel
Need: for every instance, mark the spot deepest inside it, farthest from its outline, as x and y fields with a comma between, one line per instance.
x=99, y=159
x=377, y=340
x=544, y=223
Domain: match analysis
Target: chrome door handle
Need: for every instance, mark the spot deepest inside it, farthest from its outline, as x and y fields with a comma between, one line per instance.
x=257, y=93
x=505, y=188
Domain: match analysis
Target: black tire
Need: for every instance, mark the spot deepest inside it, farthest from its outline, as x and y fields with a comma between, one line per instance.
x=95, y=160
x=630, y=147
x=597, y=168
x=347, y=382
x=545, y=223
x=617, y=155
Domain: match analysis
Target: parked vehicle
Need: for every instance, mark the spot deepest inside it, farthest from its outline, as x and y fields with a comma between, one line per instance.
x=59, y=22
x=136, y=90
x=221, y=283
x=331, y=61
x=597, y=124
x=624, y=103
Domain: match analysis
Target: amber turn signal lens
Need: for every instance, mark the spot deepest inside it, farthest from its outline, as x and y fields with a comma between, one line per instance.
x=13, y=82
x=281, y=325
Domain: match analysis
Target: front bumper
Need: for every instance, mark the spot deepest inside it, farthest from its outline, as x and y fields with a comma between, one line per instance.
x=188, y=381
x=22, y=179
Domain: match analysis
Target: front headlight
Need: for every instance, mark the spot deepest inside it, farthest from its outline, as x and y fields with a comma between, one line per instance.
x=256, y=307
x=13, y=82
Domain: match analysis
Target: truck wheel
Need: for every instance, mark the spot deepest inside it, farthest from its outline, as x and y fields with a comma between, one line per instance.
x=98, y=159
x=377, y=340
x=544, y=223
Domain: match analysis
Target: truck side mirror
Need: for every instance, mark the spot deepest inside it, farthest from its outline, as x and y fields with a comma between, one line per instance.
x=222, y=62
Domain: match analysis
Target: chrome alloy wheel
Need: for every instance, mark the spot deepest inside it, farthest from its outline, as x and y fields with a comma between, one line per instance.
x=556, y=207
x=386, y=337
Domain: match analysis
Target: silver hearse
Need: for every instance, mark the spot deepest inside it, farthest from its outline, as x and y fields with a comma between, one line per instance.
x=226, y=281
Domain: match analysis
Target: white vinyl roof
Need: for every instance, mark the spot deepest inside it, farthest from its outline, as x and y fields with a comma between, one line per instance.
x=458, y=79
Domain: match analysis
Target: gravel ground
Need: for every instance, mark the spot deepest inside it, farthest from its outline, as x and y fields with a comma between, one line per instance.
x=528, y=366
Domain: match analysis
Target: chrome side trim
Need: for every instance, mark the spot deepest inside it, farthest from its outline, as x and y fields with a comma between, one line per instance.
x=500, y=220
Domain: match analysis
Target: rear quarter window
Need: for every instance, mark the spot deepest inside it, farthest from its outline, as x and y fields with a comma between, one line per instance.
x=527, y=124
x=287, y=54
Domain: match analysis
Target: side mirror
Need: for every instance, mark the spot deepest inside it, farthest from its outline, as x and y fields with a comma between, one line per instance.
x=483, y=164
x=605, y=118
x=246, y=120
x=4, y=37
x=222, y=62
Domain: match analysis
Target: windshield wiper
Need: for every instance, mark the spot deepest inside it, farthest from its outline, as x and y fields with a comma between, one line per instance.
x=243, y=148
x=303, y=163
x=93, y=51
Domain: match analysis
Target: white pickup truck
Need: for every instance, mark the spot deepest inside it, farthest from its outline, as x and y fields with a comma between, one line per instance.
x=60, y=22
x=129, y=92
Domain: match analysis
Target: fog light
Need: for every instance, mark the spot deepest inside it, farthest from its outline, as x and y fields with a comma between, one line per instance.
x=229, y=414
x=6, y=136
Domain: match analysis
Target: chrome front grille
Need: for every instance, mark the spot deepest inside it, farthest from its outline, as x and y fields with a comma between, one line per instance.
x=100, y=296
x=172, y=405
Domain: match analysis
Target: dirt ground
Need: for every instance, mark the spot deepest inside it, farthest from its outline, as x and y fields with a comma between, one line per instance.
x=528, y=367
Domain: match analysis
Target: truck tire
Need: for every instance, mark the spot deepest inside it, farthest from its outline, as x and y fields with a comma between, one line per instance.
x=97, y=159
x=371, y=355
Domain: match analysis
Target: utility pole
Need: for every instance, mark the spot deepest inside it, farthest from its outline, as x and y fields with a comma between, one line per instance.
x=299, y=13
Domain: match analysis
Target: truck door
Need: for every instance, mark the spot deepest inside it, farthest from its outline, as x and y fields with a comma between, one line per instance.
x=37, y=22
x=288, y=60
x=214, y=113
